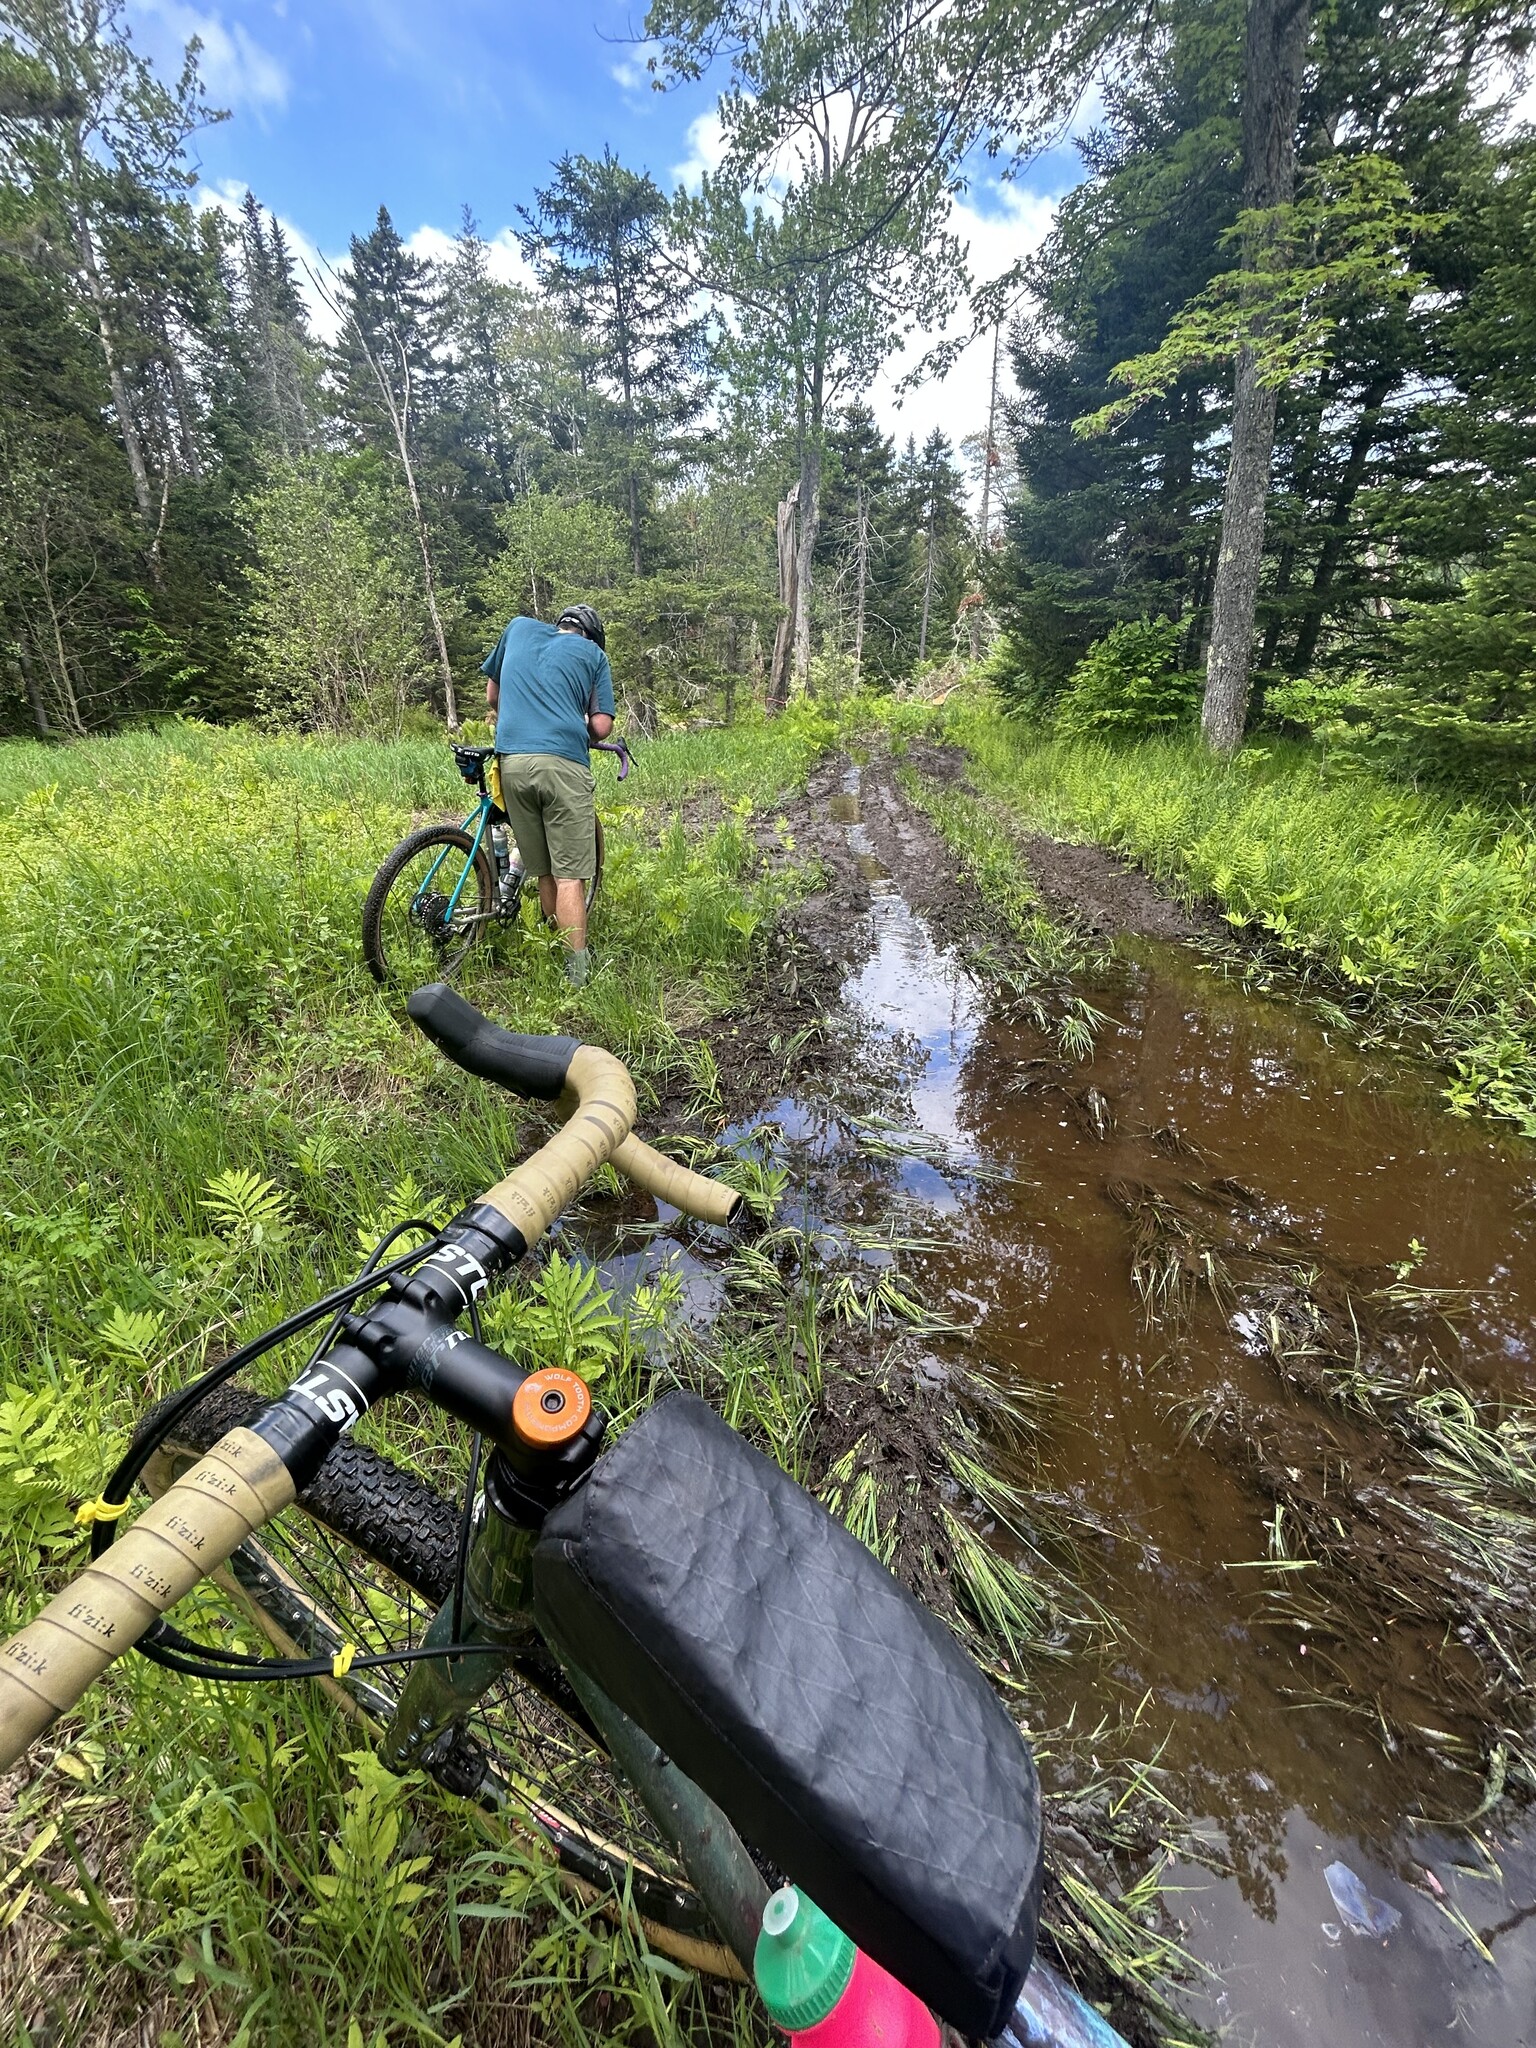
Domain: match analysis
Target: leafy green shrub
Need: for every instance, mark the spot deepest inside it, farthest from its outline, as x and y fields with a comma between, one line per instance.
x=1030, y=689
x=1127, y=687
x=339, y=638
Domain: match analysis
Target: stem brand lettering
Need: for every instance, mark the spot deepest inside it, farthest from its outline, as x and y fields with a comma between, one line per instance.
x=330, y=1394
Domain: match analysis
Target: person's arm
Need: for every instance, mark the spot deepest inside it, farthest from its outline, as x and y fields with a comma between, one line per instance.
x=600, y=711
x=490, y=668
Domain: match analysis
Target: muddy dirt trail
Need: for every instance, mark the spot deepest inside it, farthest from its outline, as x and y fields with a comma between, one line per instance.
x=1182, y=1238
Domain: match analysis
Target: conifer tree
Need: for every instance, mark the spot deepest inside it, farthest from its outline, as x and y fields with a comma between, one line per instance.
x=275, y=330
x=597, y=238
x=391, y=326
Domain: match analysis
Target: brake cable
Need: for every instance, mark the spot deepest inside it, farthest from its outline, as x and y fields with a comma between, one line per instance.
x=167, y=1646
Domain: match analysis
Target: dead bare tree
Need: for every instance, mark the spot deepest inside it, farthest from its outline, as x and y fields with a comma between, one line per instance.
x=398, y=411
x=786, y=525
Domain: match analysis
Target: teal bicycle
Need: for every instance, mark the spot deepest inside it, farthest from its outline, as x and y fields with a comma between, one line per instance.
x=445, y=885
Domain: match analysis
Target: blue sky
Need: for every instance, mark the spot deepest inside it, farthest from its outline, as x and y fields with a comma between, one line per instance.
x=339, y=105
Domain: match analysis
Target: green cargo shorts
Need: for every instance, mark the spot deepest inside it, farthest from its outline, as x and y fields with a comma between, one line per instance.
x=553, y=814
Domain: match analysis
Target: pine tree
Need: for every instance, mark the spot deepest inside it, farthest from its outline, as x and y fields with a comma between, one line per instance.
x=597, y=239
x=391, y=326
x=865, y=542
x=478, y=316
x=275, y=330
x=388, y=377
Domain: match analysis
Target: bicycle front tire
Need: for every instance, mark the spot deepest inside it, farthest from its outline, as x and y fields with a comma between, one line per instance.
x=346, y=1564
x=409, y=936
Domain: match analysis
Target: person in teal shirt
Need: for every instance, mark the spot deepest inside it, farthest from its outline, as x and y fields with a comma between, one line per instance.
x=550, y=690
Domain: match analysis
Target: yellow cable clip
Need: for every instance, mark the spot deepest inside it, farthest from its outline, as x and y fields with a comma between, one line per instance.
x=341, y=1663
x=99, y=1510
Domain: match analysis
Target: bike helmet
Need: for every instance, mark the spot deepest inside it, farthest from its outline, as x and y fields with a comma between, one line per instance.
x=585, y=620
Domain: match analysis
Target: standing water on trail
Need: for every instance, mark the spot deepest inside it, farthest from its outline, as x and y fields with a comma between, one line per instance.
x=1171, y=1237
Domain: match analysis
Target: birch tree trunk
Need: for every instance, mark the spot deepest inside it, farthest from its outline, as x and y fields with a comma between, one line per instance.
x=1274, y=51
x=809, y=515
x=128, y=426
x=399, y=411
x=861, y=557
x=783, y=638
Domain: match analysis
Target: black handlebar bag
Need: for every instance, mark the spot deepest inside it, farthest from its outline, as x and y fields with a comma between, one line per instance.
x=839, y=1725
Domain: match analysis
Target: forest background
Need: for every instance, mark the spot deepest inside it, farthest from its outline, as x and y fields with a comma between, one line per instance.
x=205, y=508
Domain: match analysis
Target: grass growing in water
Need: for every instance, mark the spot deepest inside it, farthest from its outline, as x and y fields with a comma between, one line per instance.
x=1402, y=1506
x=1414, y=914
x=1043, y=955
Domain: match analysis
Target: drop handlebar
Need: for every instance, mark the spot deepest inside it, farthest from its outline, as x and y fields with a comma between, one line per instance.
x=252, y=1474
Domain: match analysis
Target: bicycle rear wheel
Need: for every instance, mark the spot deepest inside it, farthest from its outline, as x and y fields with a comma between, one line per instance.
x=597, y=880
x=429, y=902
x=367, y=1556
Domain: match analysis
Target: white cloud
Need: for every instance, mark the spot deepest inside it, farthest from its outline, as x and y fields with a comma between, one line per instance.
x=706, y=147
x=504, y=259
x=236, y=70
x=1015, y=223
x=630, y=72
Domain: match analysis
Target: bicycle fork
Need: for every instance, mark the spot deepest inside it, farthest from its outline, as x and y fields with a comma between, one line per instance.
x=427, y=1730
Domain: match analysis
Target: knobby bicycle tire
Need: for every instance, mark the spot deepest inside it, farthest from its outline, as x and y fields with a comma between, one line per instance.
x=597, y=880
x=444, y=958
x=396, y=1521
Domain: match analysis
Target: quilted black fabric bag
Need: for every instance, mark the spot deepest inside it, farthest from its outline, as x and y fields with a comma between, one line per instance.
x=834, y=1719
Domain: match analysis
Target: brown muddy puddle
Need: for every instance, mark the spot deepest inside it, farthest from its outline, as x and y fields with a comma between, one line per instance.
x=1195, y=1081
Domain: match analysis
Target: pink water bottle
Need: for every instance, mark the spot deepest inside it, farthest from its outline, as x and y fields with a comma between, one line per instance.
x=824, y=1992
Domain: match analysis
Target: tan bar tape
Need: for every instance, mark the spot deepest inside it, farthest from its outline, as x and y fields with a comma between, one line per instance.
x=535, y=1193
x=178, y=1539
x=710, y=1200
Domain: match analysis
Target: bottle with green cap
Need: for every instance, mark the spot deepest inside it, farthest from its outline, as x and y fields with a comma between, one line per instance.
x=824, y=1992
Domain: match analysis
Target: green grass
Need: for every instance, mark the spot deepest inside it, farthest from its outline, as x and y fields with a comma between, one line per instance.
x=1414, y=914
x=207, y=1106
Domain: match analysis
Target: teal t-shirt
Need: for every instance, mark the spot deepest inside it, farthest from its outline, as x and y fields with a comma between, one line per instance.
x=549, y=681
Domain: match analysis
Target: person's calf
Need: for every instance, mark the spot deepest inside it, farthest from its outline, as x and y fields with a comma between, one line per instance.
x=571, y=913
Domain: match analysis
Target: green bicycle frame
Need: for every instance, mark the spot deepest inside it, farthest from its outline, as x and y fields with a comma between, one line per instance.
x=479, y=817
x=440, y=1692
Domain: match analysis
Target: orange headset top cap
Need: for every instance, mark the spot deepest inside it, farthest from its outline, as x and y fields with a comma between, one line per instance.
x=550, y=1407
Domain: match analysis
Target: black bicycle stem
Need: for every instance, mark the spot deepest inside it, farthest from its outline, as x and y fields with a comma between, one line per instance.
x=409, y=1340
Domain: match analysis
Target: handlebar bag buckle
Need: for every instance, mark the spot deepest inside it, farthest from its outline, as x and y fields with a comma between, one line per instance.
x=837, y=1722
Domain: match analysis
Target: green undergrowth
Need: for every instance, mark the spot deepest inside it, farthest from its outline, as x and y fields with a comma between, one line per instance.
x=1411, y=914
x=210, y=1112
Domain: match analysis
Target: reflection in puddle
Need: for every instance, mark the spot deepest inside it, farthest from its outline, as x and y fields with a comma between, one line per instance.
x=1193, y=1085
x=910, y=988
